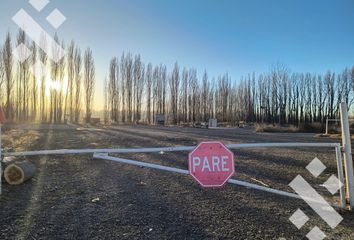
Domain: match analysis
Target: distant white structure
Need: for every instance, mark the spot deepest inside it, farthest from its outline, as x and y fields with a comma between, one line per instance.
x=213, y=123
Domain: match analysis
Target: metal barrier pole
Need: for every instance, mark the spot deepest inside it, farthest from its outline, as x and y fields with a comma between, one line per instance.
x=104, y=156
x=348, y=162
x=167, y=149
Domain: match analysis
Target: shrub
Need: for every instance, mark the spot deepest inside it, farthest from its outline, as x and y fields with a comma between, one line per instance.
x=276, y=128
x=312, y=128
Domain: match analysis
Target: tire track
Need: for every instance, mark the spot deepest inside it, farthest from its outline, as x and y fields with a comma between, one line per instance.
x=34, y=205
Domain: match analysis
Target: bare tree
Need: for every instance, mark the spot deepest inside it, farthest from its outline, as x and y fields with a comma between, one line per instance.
x=61, y=82
x=54, y=91
x=70, y=92
x=205, y=96
x=89, y=82
x=155, y=91
x=148, y=92
x=128, y=76
x=347, y=85
x=194, y=98
x=113, y=89
x=163, y=76
x=2, y=75
x=138, y=87
x=330, y=83
x=106, y=104
x=43, y=73
x=8, y=63
x=77, y=77
x=321, y=99
x=280, y=75
x=34, y=83
x=174, y=88
x=22, y=96
x=184, y=95
x=123, y=87
x=224, y=89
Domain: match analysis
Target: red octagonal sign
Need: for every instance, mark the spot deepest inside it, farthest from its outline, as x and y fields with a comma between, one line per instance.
x=211, y=164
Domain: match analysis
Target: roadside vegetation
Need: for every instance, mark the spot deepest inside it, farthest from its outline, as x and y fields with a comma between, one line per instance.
x=302, y=128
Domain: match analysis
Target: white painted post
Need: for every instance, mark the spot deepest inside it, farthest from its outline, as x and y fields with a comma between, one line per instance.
x=348, y=162
x=341, y=176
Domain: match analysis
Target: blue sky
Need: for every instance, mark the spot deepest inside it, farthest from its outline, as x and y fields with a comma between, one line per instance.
x=234, y=36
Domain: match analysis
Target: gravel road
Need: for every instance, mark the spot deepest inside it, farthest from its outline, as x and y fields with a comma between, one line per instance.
x=78, y=197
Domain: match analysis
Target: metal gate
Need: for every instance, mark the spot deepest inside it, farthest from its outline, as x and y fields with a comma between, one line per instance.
x=104, y=154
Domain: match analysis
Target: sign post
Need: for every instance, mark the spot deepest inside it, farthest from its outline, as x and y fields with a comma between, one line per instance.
x=211, y=164
x=2, y=121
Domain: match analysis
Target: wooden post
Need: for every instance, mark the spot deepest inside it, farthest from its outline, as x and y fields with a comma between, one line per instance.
x=348, y=161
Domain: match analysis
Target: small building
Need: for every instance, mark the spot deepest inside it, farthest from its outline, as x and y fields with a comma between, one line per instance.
x=213, y=123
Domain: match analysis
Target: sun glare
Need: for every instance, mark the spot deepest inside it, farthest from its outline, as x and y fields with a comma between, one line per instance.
x=60, y=87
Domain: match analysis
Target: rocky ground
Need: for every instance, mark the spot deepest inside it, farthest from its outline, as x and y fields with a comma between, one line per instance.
x=78, y=197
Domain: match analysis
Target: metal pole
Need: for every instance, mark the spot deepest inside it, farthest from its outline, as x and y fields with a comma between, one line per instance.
x=167, y=149
x=348, y=162
x=186, y=172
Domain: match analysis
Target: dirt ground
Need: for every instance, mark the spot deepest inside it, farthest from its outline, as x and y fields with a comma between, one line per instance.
x=78, y=197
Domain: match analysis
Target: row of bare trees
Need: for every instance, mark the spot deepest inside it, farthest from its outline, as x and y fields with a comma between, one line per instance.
x=39, y=89
x=137, y=93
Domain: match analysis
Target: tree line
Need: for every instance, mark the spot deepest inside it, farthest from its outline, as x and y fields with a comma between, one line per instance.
x=40, y=89
x=137, y=92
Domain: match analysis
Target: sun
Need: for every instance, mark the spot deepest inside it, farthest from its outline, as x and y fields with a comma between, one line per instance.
x=57, y=85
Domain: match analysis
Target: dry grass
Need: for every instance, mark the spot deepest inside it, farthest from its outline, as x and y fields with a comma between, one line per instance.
x=302, y=128
x=332, y=136
x=276, y=128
